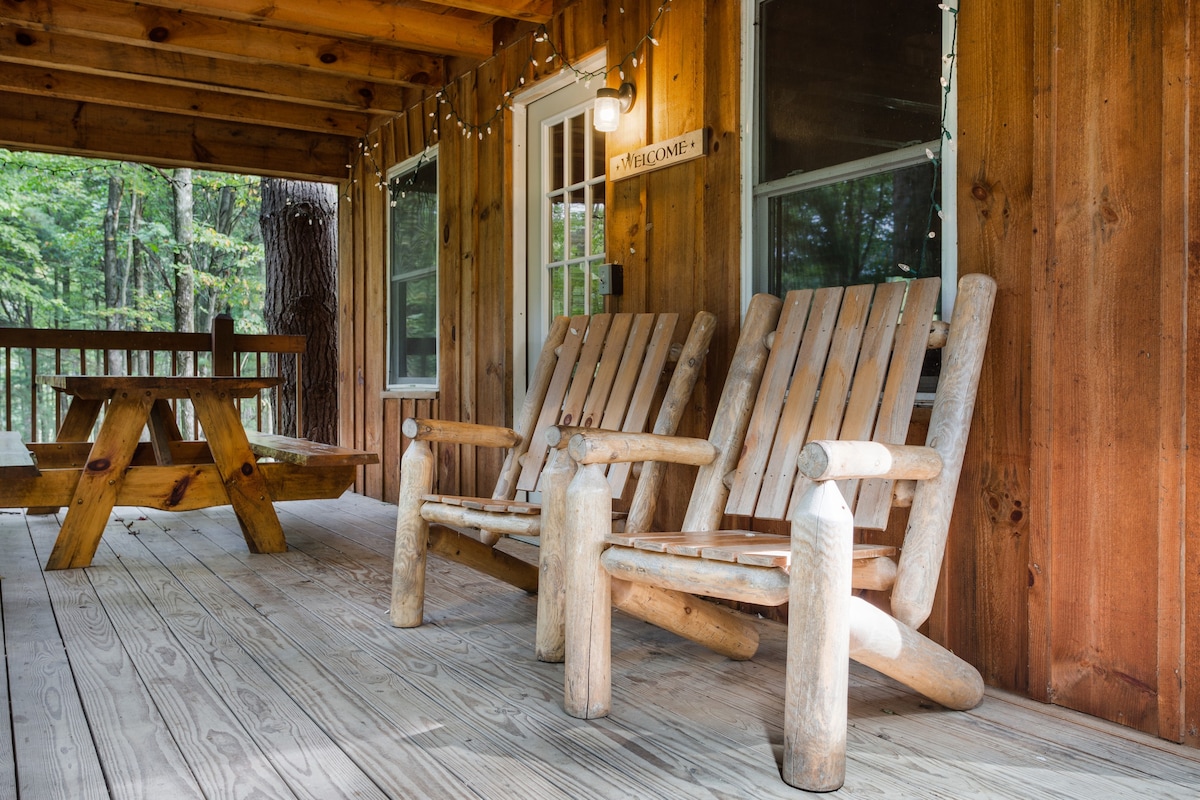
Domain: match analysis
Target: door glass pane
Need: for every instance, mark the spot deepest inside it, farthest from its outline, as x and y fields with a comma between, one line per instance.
x=556, y=157
x=578, y=238
x=578, y=151
x=557, y=293
x=598, y=223
x=578, y=288
x=558, y=229
x=597, y=153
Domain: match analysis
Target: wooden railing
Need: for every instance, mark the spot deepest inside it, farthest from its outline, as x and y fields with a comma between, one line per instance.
x=36, y=413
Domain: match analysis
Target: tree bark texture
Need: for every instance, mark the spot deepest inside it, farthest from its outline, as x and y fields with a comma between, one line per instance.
x=299, y=227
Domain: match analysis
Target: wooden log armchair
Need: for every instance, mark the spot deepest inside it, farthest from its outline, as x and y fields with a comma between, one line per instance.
x=603, y=371
x=841, y=374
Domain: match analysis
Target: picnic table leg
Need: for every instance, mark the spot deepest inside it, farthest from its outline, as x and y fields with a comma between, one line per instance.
x=238, y=466
x=76, y=427
x=99, y=483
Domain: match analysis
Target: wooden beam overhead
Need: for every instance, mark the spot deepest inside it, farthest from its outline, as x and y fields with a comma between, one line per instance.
x=86, y=129
x=110, y=90
x=403, y=26
x=186, y=32
x=158, y=66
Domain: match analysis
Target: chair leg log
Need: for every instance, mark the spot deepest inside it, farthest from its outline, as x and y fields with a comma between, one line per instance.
x=588, y=673
x=815, y=703
x=891, y=647
x=412, y=537
x=550, y=640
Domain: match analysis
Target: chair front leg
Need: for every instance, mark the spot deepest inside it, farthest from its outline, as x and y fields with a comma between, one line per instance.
x=588, y=673
x=412, y=536
x=818, y=650
x=550, y=641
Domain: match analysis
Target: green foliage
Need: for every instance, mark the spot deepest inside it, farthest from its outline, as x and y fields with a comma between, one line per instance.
x=52, y=245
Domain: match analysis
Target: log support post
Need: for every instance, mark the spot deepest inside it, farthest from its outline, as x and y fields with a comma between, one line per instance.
x=815, y=700
x=412, y=536
x=588, y=673
x=550, y=641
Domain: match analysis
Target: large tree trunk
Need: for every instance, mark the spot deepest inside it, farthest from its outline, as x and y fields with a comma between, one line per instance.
x=299, y=227
x=112, y=267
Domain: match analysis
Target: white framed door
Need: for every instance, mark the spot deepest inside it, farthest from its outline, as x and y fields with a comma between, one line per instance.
x=560, y=202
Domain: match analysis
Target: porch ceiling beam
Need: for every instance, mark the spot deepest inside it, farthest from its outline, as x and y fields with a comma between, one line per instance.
x=403, y=25
x=267, y=81
x=110, y=90
x=186, y=32
x=55, y=125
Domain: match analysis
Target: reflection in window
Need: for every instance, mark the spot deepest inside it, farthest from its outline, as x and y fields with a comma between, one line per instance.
x=413, y=230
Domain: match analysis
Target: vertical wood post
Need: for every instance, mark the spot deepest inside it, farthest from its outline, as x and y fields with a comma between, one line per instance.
x=412, y=536
x=818, y=650
x=222, y=345
x=588, y=685
x=550, y=640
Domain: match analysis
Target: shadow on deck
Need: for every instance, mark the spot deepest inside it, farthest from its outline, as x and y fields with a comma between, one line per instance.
x=180, y=666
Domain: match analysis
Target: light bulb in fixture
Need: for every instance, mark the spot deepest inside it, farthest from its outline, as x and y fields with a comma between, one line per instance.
x=610, y=105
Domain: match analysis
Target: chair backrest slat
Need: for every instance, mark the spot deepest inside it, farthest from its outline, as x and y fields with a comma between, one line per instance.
x=585, y=369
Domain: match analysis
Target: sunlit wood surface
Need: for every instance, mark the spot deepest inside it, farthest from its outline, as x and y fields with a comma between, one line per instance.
x=179, y=665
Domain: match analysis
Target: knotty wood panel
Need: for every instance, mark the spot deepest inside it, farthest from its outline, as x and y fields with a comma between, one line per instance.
x=988, y=551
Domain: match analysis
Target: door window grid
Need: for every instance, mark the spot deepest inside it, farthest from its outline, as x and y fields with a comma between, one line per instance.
x=574, y=214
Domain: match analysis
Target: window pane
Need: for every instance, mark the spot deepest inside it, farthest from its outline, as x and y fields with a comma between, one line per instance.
x=578, y=153
x=844, y=81
x=556, y=157
x=578, y=231
x=558, y=229
x=578, y=288
x=597, y=154
x=413, y=228
x=858, y=231
x=558, y=303
x=597, y=299
x=598, y=222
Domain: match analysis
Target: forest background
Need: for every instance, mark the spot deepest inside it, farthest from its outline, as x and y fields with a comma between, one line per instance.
x=105, y=245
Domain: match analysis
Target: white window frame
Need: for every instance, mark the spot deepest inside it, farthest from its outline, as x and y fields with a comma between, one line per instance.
x=413, y=389
x=756, y=195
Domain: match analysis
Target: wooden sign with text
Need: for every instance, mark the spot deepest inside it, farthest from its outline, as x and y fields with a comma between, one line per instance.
x=656, y=156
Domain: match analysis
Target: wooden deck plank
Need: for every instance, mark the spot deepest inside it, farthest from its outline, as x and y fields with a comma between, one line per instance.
x=8, y=763
x=52, y=742
x=124, y=711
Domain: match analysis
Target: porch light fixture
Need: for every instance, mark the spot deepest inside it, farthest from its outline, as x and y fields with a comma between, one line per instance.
x=610, y=105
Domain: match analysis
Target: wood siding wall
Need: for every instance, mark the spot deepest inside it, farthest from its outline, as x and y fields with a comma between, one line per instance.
x=1075, y=544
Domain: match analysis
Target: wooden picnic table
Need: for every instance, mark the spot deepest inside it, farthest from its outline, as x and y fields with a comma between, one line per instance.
x=133, y=404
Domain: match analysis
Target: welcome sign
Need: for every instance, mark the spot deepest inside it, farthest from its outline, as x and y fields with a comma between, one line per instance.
x=656, y=156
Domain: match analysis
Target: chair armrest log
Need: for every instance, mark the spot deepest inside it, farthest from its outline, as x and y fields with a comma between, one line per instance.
x=606, y=447
x=437, y=430
x=831, y=460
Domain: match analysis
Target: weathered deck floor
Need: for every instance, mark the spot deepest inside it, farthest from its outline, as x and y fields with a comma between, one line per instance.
x=180, y=666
